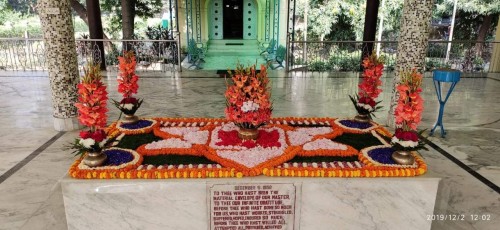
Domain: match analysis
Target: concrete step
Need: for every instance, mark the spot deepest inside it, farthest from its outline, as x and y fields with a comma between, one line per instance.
x=233, y=48
x=225, y=41
x=221, y=48
x=234, y=53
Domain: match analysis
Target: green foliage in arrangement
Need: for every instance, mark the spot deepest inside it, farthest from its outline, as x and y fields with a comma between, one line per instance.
x=134, y=141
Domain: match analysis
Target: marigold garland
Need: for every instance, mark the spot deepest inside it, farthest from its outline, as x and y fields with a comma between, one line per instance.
x=350, y=151
x=233, y=169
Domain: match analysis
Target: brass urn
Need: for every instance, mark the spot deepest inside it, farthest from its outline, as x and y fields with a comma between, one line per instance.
x=130, y=119
x=363, y=118
x=94, y=159
x=403, y=157
x=248, y=134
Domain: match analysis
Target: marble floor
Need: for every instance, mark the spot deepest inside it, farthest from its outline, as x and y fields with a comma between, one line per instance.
x=31, y=195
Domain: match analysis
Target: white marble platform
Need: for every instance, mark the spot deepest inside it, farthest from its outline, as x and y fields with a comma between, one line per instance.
x=321, y=203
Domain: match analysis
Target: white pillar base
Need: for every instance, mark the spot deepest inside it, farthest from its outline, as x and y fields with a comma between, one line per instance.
x=66, y=124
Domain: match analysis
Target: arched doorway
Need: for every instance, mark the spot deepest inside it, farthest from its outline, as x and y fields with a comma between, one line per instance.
x=232, y=19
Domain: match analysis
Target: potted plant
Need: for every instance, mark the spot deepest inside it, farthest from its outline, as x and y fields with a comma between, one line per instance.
x=248, y=100
x=369, y=89
x=408, y=115
x=92, y=111
x=127, y=86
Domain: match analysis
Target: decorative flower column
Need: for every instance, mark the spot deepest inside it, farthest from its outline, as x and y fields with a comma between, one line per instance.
x=60, y=51
x=412, y=44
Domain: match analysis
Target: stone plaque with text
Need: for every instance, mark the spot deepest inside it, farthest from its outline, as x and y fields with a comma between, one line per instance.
x=252, y=206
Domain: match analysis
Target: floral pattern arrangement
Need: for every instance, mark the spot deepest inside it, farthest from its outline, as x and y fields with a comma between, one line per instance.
x=127, y=84
x=369, y=88
x=408, y=112
x=92, y=111
x=142, y=126
x=278, y=151
x=248, y=97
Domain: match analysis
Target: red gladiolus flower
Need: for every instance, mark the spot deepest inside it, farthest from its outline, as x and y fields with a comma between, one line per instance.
x=248, y=86
x=92, y=99
x=408, y=112
x=369, y=87
x=368, y=101
x=129, y=100
x=127, y=79
x=85, y=134
x=98, y=135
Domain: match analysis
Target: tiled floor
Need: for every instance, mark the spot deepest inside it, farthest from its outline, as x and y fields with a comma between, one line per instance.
x=31, y=197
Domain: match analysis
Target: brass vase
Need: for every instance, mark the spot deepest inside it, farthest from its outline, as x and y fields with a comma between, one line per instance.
x=94, y=159
x=248, y=134
x=130, y=119
x=363, y=118
x=403, y=157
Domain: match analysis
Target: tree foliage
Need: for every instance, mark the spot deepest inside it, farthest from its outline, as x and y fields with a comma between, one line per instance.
x=344, y=20
x=7, y=13
x=143, y=9
x=339, y=20
x=470, y=16
x=25, y=7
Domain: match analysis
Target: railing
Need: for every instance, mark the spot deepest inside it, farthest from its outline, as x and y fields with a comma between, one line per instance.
x=468, y=56
x=163, y=55
x=152, y=55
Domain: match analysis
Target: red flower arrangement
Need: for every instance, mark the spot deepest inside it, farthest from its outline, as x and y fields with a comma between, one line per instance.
x=408, y=112
x=369, y=88
x=127, y=84
x=266, y=139
x=92, y=111
x=247, y=99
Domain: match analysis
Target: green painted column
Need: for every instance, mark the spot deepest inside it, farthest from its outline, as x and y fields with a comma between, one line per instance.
x=60, y=52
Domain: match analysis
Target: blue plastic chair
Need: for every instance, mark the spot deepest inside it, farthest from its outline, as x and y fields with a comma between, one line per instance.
x=441, y=76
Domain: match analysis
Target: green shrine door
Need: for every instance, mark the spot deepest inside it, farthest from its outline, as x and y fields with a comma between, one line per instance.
x=233, y=19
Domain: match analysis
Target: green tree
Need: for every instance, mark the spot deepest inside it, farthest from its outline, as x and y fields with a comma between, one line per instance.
x=25, y=7
x=7, y=13
x=392, y=12
x=331, y=19
x=124, y=11
x=476, y=19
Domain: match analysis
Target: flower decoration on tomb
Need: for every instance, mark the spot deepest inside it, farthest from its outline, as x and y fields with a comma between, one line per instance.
x=369, y=89
x=248, y=98
x=408, y=112
x=211, y=147
x=92, y=111
x=127, y=85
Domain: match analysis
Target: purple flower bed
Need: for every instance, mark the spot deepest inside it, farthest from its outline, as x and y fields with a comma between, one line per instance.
x=117, y=157
x=138, y=125
x=382, y=155
x=355, y=124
